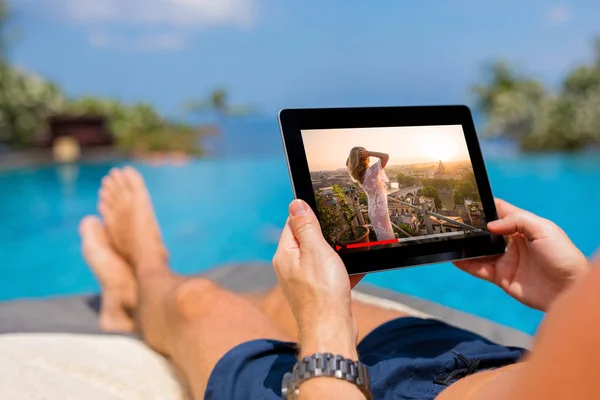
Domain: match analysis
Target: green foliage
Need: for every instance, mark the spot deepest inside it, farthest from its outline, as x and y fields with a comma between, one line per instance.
x=401, y=178
x=347, y=212
x=430, y=191
x=139, y=127
x=465, y=190
x=362, y=198
x=521, y=108
x=469, y=177
x=406, y=180
x=407, y=228
x=218, y=102
x=439, y=183
x=329, y=218
x=26, y=101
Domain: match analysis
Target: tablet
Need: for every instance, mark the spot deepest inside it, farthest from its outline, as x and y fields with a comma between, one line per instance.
x=393, y=187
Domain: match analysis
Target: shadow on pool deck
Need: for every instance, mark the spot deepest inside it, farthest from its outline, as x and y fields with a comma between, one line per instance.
x=79, y=314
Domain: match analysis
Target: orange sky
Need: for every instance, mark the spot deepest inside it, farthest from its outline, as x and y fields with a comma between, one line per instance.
x=328, y=149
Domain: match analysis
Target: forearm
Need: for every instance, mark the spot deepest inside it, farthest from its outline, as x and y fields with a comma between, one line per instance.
x=376, y=154
x=335, y=337
x=383, y=156
x=330, y=388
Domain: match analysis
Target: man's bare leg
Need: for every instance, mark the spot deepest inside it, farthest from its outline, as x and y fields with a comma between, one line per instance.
x=190, y=320
x=172, y=308
x=367, y=317
x=119, y=291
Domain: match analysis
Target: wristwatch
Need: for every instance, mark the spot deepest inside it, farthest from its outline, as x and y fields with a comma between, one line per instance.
x=325, y=364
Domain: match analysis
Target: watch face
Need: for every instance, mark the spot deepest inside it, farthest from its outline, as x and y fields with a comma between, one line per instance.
x=286, y=386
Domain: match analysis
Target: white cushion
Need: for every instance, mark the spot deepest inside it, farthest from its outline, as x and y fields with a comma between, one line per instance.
x=69, y=367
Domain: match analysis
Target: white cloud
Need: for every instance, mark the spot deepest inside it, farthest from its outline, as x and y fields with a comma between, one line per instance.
x=179, y=13
x=149, y=43
x=559, y=15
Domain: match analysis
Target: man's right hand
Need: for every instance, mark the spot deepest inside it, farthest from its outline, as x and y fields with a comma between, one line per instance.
x=540, y=262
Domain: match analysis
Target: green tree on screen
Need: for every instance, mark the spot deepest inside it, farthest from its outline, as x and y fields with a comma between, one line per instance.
x=410, y=181
x=430, y=191
x=465, y=190
x=329, y=218
x=401, y=178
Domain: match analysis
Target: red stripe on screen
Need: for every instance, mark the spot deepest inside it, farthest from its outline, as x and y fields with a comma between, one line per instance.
x=357, y=245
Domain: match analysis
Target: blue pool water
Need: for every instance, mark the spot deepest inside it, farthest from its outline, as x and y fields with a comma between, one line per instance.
x=229, y=210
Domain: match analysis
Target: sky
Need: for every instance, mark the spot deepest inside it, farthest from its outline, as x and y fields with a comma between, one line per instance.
x=328, y=149
x=311, y=53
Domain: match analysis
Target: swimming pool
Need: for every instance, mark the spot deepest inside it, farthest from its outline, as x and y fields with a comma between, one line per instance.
x=227, y=211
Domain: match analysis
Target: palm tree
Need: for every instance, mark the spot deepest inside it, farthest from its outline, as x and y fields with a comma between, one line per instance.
x=217, y=103
x=512, y=103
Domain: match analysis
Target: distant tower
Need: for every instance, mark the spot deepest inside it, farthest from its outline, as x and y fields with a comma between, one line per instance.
x=441, y=170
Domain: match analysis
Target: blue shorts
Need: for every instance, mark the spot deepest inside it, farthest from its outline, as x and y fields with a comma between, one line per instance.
x=408, y=358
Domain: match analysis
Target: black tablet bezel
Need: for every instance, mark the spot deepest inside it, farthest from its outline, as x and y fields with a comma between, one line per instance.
x=293, y=121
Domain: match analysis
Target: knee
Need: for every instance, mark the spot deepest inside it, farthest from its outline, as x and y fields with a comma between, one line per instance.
x=192, y=297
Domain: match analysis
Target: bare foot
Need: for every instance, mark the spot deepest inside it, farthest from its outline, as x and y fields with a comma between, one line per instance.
x=119, y=292
x=127, y=211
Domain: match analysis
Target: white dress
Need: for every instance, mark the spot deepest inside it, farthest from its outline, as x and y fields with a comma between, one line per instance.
x=376, y=190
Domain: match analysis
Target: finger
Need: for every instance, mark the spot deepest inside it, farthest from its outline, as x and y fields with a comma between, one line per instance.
x=288, y=246
x=355, y=279
x=287, y=239
x=504, y=207
x=520, y=221
x=304, y=224
x=480, y=268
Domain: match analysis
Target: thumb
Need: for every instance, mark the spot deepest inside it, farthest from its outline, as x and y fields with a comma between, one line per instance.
x=304, y=223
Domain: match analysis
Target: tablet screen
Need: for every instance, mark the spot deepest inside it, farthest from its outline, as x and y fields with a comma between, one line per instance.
x=393, y=186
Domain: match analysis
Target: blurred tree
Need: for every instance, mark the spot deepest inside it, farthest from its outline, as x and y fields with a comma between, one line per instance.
x=347, y=212
x=431, y=192
x=410, y=181
x=362, y=198
x=439, y=183
x=510, y=101
x=329, y=218
x=407, y=229
x=520, y=108
x=26, y=101
x=401, y=178
x=139, y=127
x=217, y=102
x=465, y=190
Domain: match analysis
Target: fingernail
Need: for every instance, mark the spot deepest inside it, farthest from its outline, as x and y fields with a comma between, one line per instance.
x=298, y=208
x=491, y=224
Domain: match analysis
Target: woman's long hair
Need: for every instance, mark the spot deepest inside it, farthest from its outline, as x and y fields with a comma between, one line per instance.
x=357, y=166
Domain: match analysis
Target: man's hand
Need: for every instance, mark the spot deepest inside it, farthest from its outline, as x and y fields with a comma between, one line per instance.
x=316, y=285
x=540, y=262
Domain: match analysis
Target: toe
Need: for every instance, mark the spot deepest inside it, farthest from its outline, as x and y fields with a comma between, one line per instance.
x=92, y=231
x=134, y=178
x=106, y=197
x=120, y=180
x=106, y=212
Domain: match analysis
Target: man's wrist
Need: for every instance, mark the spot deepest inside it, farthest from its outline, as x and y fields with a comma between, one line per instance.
x=332, y=335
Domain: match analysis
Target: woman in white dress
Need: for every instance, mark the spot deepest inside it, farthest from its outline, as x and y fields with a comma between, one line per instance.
x=372, y=180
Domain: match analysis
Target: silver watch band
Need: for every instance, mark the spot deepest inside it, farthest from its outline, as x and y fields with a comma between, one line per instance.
x=325, y=364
